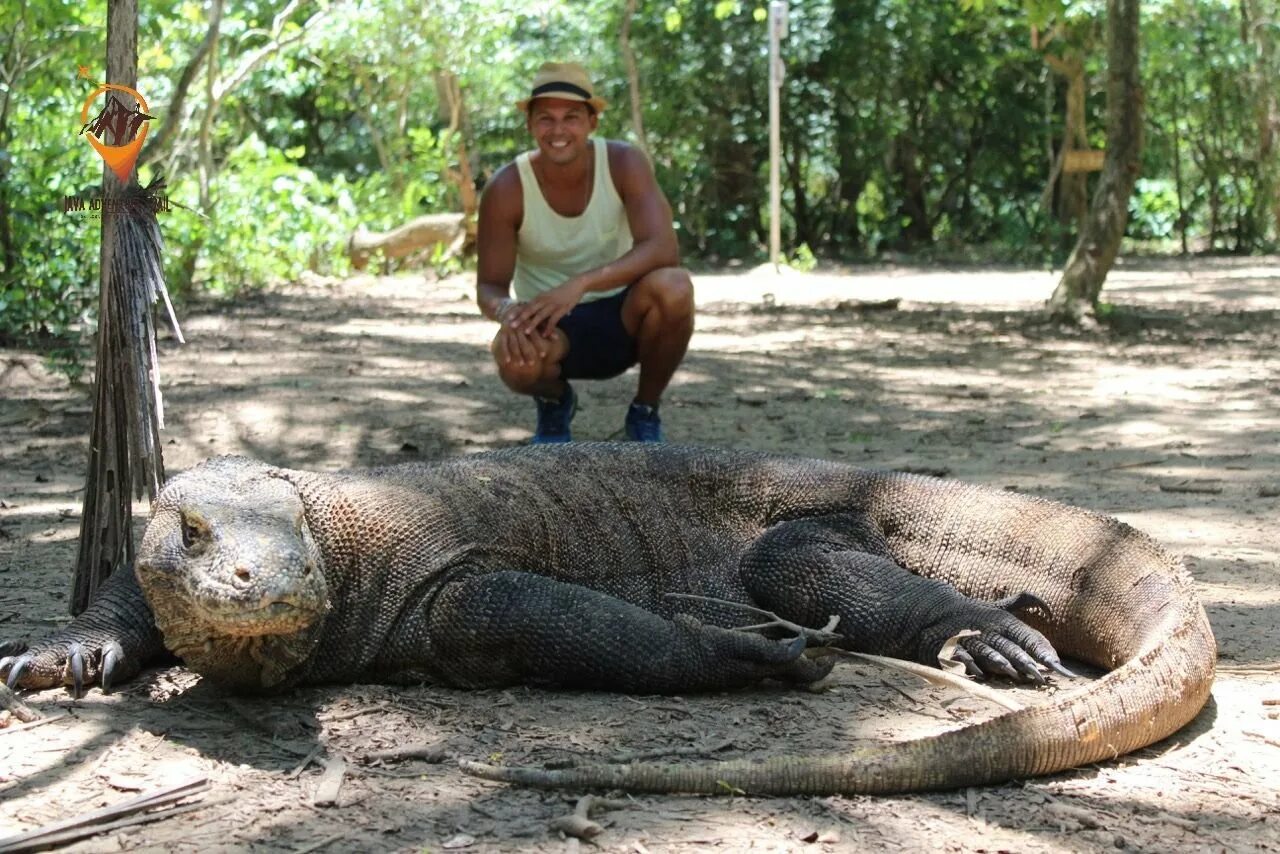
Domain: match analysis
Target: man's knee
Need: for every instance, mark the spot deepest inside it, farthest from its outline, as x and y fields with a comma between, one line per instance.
x=670, y=290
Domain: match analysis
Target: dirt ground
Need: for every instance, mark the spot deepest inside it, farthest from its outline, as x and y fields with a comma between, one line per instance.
x=962, y=378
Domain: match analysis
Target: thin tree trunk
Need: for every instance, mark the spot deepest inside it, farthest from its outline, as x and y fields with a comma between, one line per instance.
x=633, y=74
x=1178, y=183
x=160, y=143
x=10, y=66
x=1076, y=295
x=1260, y=22
x=124, y=447
x=204, y=144
x=1073, y=187
x=449, y=94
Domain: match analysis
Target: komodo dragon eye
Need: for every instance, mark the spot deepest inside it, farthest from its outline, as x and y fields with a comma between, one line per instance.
x=193, y=530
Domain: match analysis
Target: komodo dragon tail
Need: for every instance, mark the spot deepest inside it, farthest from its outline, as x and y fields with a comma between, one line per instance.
x=1118, y=601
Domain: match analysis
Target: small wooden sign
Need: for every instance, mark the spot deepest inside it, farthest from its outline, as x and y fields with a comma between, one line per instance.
x=1084, y=160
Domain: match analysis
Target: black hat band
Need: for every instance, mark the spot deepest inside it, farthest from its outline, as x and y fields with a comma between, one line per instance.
x=548, y=88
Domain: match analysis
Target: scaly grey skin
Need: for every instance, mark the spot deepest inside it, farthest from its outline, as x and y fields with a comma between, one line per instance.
x=552, y=565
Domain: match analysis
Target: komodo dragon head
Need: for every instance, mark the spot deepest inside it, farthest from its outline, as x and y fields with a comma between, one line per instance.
x=233, y=574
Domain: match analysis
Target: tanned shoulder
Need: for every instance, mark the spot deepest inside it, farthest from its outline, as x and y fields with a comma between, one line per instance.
x=626, y=162
x=503, y=196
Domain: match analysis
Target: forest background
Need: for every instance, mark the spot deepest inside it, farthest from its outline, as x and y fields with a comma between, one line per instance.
x=931, y=131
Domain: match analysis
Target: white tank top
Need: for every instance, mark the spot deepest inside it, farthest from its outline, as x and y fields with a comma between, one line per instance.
x=551, y=248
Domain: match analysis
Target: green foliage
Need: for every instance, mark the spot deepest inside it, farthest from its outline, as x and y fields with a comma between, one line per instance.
x=803, y=260
x=48, y=272
x=1153, y=210
x=917, y=127
x=271, y=220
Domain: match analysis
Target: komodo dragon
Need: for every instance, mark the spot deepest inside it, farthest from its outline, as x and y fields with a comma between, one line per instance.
x=552, y=565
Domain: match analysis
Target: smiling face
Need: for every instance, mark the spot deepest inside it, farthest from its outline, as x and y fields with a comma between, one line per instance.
x=561, y=128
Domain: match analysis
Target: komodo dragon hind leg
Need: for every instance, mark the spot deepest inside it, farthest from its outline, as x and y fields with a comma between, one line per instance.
x=807, y=570
x=507, y=627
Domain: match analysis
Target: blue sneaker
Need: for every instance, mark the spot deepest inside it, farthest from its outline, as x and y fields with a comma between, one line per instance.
x=643, y=423
x=554, y=417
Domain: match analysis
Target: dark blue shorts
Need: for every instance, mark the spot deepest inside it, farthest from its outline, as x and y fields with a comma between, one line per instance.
x=599, y=346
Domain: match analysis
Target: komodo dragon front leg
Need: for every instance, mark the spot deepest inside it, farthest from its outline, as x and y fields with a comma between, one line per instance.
x=507, y=627
x=808, y=570
x=110, y=642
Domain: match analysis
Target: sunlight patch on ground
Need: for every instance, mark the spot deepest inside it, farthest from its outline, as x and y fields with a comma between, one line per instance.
x=1211, y=592
x=790, y=287
x=1199, y=528
x=1161, y=384
x=419, y=333
x=733, y=343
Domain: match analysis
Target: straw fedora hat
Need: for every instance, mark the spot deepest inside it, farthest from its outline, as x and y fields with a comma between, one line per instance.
x=567, y=80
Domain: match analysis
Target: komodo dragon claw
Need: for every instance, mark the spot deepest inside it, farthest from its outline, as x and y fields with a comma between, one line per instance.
x=112, y=656
x=1027, y=601
x=16, y=665
x=75, y=663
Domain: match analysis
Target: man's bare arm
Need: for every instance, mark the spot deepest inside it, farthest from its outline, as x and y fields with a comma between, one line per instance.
x=501, y=206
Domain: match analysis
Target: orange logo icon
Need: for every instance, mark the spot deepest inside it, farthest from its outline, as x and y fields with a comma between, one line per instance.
x=124, y=127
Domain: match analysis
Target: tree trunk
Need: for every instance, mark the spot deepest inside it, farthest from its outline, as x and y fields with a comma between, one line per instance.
x=914, y=204
x=1259, y=25
x=124, y=444
x=1073, y=198
x=162, y=140
x=633, y=74
x=449, y=95
x=1076, y=295
x=8, y=77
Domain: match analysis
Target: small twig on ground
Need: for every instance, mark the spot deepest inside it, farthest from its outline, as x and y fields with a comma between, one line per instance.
x=20, y=710
x=335, y=770
x=1164, y=818
x=333, y=717
x=1192, y=487
x=1274, y=742
x=109, y=818
x=1249, y=669
x=316, y=846
x=1138, y=464
x=431, y=753
x=24, y=727
x=824, y=636
x=937, y=677
x=579, y=824
x=306, y=760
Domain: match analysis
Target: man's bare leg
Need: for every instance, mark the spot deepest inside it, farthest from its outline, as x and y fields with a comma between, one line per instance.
x=540, y=377
x=658, y=313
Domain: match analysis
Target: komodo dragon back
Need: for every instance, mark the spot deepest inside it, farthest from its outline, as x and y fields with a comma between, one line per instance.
x=1117, y=599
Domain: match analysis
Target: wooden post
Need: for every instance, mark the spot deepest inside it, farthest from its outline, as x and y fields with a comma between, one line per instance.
x=777, y=32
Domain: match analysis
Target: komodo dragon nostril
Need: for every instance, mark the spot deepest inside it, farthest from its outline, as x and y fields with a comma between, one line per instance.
x=242, y=573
